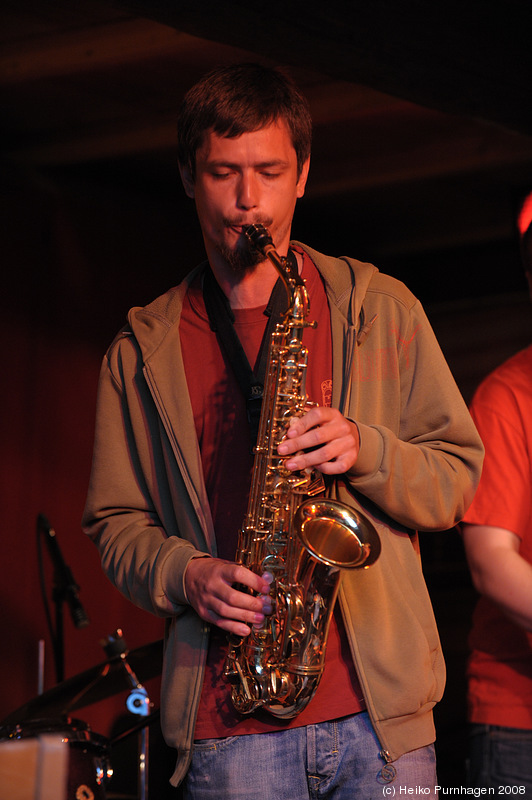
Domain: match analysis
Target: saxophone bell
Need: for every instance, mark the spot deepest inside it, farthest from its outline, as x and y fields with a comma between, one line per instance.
x=336, y=534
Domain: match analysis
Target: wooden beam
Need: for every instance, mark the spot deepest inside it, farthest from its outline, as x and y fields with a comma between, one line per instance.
x=472, y=58
x=106, y=47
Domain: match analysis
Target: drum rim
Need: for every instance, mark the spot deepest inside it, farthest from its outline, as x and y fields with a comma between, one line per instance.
x=70, y=729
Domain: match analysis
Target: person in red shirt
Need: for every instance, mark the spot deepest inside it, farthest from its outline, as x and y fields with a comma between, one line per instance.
x=497, y=535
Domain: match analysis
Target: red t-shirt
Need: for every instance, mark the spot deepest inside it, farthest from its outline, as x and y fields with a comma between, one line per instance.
x=223, y=433
x=500, y=664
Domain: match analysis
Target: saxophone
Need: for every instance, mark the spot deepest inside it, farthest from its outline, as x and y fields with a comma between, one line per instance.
x=291, y=531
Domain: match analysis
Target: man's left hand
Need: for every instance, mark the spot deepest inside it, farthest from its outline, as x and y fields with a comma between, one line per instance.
x=321, y=438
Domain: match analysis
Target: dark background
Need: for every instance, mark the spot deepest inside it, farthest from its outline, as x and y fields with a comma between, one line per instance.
x=422, y=153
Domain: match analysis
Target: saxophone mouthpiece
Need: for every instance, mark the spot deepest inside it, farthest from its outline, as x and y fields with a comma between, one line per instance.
x=259, y=236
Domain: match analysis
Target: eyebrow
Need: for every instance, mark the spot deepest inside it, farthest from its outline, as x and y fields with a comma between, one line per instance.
x=220, y=162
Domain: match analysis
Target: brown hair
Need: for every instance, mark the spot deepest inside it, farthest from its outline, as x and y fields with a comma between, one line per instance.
x=237, y=99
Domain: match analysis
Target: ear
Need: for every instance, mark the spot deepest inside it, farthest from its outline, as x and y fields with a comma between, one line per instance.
x=302, y=180
x=188, y=181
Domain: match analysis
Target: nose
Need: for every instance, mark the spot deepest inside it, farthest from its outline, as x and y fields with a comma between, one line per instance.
x=247, y=193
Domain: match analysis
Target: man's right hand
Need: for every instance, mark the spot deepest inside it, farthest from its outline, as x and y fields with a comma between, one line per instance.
x=210, y=587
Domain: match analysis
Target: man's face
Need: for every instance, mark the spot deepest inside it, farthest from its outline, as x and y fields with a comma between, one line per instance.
x=250, y=178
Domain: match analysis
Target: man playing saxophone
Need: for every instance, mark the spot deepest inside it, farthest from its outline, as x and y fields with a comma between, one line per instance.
x=177, y=419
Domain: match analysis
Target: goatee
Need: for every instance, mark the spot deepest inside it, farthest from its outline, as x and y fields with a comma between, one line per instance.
x=243, y=257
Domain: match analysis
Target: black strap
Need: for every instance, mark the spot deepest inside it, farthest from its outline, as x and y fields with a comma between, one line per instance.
x=221, y=320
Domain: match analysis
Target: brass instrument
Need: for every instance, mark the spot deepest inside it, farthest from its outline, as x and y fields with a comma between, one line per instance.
x=291, y=531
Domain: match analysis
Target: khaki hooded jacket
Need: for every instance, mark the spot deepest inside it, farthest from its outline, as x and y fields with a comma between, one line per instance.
x=419, y=463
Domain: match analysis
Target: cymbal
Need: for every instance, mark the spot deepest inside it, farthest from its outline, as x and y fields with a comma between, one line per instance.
x=92, y=685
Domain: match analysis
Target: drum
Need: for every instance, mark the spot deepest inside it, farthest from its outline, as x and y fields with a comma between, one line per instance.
x=88, y=753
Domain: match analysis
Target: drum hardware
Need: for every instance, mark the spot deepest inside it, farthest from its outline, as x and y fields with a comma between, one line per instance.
x=153, y=717
x=138, y=702
x=137, y=729
x=88, y=753
x=50, y=711
x=91, y=686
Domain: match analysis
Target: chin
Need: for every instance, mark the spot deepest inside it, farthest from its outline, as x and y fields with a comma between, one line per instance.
x=241, y=259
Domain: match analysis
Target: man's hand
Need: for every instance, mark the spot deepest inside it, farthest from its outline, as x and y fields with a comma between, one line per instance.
x=321, y=438
x=209, y=583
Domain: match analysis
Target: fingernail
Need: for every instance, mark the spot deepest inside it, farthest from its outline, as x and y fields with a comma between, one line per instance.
x=258, y=619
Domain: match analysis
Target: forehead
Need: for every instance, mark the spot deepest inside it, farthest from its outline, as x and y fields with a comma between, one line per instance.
x=271, y=143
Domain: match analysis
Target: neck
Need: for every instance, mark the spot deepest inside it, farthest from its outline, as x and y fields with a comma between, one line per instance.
x=250, y=290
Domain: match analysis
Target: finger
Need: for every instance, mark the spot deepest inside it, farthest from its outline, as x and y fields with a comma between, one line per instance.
x=242, y=575
x=315, y=437
x=229, y=625
x=333, y=458
x=315, y=416
x=313, y=458
x=338, y=465
x=229, y=598
x=303, y=441
x=211, y=591
x=237, y=615
x=226, y=614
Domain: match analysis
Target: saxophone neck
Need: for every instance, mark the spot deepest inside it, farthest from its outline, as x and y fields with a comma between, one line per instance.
x=261, y=240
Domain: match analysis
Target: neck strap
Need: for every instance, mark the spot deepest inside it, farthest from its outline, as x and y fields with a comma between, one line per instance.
x=221, y=320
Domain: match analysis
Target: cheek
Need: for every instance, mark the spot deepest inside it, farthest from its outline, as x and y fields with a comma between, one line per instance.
x=207, y=209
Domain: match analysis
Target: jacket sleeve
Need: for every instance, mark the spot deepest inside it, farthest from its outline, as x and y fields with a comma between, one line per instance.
x=144, y=545
x=420, y=455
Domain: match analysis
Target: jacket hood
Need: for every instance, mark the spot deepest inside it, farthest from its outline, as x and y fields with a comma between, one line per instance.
x=150, y=324
x=346, y=294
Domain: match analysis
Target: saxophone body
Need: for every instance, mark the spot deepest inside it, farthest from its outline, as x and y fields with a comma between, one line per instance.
x=291, y=531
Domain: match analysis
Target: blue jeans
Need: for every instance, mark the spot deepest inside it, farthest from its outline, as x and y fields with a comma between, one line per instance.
x=500, y=756
x=339, y=760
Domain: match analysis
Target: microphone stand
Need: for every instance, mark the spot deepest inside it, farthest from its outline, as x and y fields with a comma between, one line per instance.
x=65, y=590
x=59, y=637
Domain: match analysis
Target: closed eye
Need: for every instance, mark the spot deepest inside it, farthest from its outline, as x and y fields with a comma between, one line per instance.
x=221, y=174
